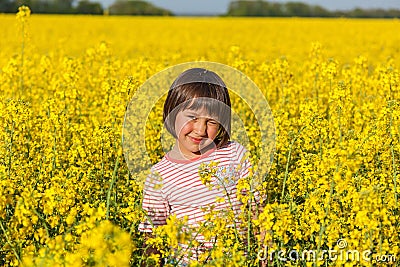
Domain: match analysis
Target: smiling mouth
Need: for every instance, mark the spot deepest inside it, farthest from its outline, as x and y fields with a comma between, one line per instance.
x=196, y=140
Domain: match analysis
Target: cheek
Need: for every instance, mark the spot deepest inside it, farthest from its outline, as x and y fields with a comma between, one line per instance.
x=212, y=132
x=183, y=128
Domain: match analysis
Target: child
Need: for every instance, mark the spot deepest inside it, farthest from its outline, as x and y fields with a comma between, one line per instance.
x=197, y=113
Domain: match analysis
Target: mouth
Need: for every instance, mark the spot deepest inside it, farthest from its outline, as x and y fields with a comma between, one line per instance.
x=196, y=140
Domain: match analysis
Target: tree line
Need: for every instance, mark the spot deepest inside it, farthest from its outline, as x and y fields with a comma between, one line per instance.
x=255, y=8
x=261, y=8
x=52, y=7
x=120, y=7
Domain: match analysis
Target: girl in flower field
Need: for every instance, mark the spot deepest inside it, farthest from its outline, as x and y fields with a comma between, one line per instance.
x=197, y=113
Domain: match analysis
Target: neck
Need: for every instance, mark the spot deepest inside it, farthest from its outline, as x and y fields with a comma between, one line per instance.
x=176, y=152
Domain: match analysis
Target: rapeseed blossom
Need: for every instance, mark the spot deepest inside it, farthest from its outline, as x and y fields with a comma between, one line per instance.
x=67, y=197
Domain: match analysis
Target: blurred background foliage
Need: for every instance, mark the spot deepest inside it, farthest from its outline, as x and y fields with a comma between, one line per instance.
x=257, y=8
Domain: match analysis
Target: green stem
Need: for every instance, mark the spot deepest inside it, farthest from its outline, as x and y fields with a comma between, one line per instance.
x=9, y=242
x=114, y=178
x=43, y=220
x=11, y=150
x=287, y=168
x=54, y=153
x=102, y=162
x=249, y=217
x=340, y=126
x=394, y=175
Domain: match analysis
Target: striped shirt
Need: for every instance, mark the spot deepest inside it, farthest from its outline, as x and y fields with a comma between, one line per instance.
x=174, y=187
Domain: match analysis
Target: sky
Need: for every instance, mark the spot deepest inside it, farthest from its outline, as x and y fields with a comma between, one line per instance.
x=214, y=7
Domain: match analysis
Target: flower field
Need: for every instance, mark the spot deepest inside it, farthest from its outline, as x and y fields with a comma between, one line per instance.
x=67, y=197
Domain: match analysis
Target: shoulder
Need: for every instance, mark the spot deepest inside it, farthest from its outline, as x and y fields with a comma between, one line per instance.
x=234, y=146
x=161, y=165
x=156, y=173
x=234, y=149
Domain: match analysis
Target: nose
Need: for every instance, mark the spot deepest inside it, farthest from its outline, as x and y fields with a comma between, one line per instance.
x=200, y=127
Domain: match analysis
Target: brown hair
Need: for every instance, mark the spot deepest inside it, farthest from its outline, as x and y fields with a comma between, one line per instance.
x=195, y=89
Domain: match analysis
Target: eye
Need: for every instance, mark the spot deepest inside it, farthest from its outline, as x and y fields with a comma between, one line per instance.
x=212, y=122
x=191, y=117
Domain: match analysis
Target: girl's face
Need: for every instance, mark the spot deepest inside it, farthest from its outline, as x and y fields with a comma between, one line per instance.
x=196, y=131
